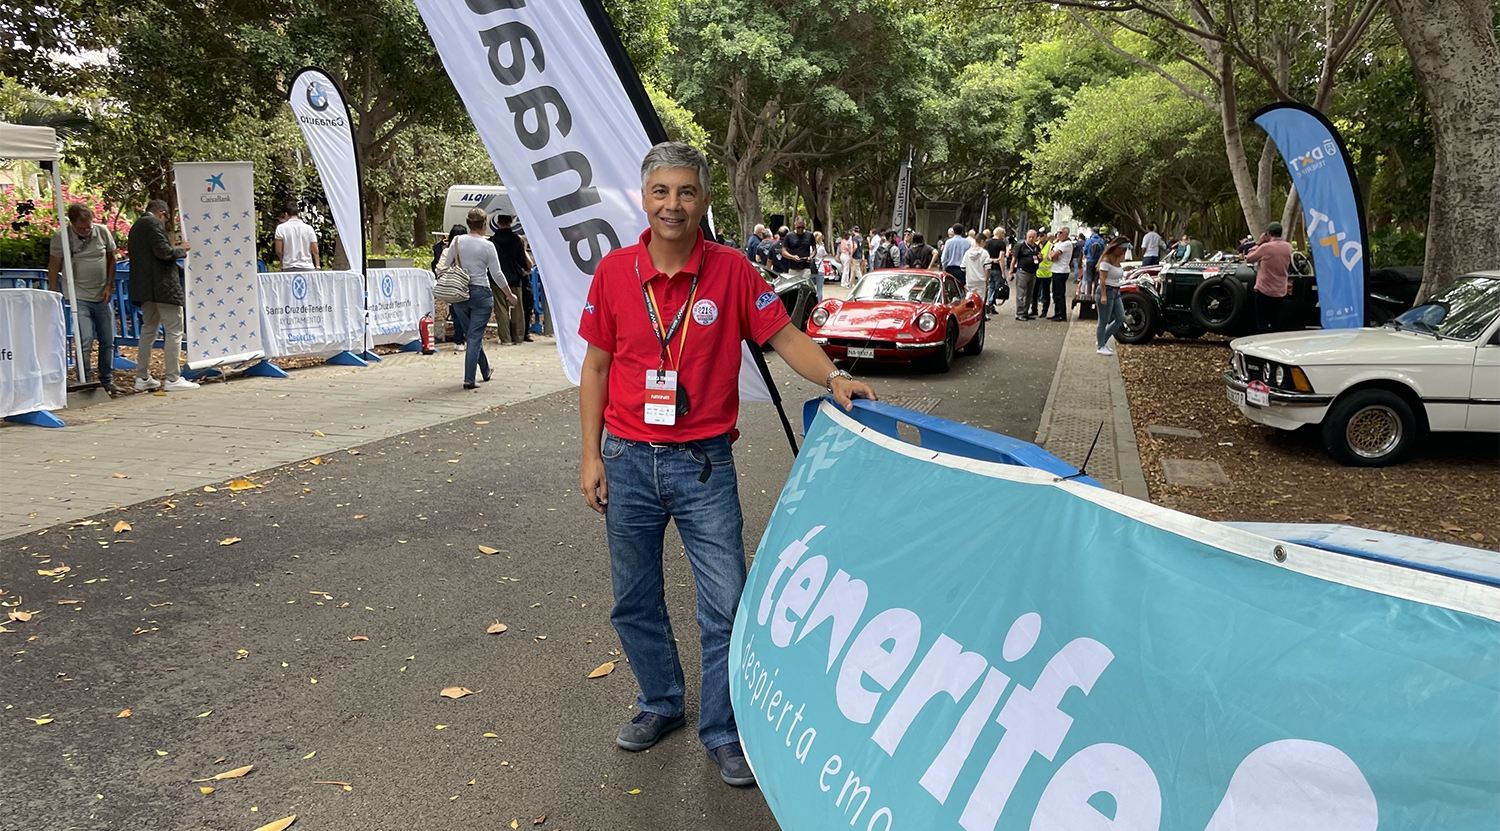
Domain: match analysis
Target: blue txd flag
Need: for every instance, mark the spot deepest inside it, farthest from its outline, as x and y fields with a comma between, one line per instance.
x=1319, y=164
x=931, y=642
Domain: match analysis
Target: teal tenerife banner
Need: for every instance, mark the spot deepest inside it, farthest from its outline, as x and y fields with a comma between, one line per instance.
x=929, y=642
x=1319, y=165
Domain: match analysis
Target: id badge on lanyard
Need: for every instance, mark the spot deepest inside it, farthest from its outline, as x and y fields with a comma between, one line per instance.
x=661, y=396
x=664, y=400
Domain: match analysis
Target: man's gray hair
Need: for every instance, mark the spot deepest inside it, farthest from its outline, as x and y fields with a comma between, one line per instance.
x=156, y=205
x=671, y=154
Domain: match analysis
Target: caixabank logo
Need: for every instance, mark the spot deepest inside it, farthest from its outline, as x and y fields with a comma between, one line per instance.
x=216, y=190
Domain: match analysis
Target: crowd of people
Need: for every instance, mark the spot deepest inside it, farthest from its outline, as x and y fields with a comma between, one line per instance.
x=1035, y=268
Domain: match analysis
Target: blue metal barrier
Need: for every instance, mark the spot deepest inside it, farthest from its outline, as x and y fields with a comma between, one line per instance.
x=944, y=436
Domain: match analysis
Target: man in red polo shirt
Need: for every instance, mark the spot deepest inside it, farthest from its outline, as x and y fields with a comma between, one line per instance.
x=659, y=400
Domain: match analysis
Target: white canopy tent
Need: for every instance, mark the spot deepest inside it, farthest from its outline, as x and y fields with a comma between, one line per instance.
x=40, y=144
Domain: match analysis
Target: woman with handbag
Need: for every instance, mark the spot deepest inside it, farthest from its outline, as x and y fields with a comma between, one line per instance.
x=469, y=264
x=438, y=250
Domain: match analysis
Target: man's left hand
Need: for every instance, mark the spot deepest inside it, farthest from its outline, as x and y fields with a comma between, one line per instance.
x=845, y=390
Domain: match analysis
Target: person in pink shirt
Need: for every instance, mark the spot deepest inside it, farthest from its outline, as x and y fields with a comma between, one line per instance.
x=1274, y=256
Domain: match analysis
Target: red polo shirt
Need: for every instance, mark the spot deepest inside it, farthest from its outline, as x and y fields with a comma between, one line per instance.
x=733, y=302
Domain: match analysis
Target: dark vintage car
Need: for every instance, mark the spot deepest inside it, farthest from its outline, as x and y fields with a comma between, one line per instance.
x=1189, y=299
x=798, y=294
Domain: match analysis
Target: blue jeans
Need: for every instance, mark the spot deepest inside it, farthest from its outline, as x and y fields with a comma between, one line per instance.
x=470, y=317
x=96, y=319
x=648, y=485
x=1111, y=315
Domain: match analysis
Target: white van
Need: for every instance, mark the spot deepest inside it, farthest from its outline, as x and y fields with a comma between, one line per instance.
x=462, y=198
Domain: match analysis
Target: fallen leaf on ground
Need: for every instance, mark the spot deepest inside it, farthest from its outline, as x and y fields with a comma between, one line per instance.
x=603, y=669
x=318, y=433
x=228, y=774
x=1451, y=528
x=472, y=781
x=159, y=605
x=120, y=476
x=539, y=820
x=331, y=782
x=19, y=616
x=278, y=825
x=229, y=541
x=496, y=628
x=205, y=790
x=442, y=727
x=360, y=516
x=492, y=735
x=42, y=720
x=68, y=602
x=359, y=638
x=125, y=713
x=243, y=485
x=161, y=752
x=541, y=637
x=210, y=489
x=316, y=460
x=1340, y=517
x=633, y=791
x=310, y=755
x=484, y=549
x=455, y=692
x=121, y=527
x=204, y=714
x=515, y=823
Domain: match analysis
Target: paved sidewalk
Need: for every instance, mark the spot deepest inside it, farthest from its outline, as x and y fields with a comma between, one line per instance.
x=228, y=430
x=1088, y=392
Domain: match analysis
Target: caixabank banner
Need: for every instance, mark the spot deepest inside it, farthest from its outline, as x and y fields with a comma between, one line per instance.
x=930, y=642
x=216, y=201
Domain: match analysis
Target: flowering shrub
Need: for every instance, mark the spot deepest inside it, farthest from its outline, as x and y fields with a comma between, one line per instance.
x=27, y=225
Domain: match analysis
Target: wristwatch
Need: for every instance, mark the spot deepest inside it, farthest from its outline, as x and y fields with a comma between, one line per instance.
x=837, y=373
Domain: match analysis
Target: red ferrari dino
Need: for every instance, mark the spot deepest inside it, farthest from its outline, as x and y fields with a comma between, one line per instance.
x=901, y=315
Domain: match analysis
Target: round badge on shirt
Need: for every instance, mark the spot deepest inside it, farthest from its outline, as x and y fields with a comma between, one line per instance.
x=705, y=312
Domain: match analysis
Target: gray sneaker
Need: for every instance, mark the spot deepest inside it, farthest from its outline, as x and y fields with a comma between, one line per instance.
x=646, y=729
x=734, y=769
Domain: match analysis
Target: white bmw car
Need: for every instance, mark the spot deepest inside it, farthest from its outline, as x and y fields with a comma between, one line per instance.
x=1374, y=391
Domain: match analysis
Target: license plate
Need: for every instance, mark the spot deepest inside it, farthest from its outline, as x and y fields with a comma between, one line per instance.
x=861, y=352
x=1235, y=397
x=1258, y=394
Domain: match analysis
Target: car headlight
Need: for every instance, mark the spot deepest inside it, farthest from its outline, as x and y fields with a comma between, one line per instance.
x=819, y=316
x=1279, y=376
x=1237, y=363
x=926, y=321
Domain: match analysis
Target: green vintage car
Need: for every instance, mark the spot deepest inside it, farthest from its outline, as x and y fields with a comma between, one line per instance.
x=1188, y=299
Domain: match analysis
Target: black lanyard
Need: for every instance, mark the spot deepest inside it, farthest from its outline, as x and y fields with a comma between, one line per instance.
x=677, y=321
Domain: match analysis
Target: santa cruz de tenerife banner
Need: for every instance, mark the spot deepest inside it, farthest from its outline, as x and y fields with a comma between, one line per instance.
x=216, y=204
x=1082, y=660
x=318, y=103
x=565, y=137
x=398, y=299
x=1319, y=164
x=312, y=312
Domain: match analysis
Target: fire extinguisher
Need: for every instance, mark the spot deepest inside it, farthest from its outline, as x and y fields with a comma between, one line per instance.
x=425, y=331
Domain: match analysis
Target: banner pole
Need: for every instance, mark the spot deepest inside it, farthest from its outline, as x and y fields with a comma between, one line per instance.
x=630, y=79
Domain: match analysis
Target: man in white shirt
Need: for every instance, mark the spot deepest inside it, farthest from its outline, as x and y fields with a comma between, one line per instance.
x=1151, y=246
x=1062, y=257
x=296, y=241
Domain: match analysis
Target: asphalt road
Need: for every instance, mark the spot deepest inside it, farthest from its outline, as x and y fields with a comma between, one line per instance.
x=255, y=653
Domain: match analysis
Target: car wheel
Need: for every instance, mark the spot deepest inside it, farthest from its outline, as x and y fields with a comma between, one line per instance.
x=1370, y=428
x=1140, y=318
x=976, y=343
x=1218, y=303
x=1185, y=331
x=943, y=360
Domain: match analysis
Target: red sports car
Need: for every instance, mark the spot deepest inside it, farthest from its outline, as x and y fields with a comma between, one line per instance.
x=901, y=315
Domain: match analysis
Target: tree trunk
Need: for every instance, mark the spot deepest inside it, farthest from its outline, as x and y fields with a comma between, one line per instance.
x=824, y=202
x=1234, y=143
x=419, y=238
x=744, y=188
x=377, y=227
x=1453, y=50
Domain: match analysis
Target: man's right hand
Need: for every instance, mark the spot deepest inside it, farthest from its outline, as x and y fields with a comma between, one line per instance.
x=592, y=482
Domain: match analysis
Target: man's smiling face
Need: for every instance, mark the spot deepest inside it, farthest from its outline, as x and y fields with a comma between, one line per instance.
x=674, y=202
